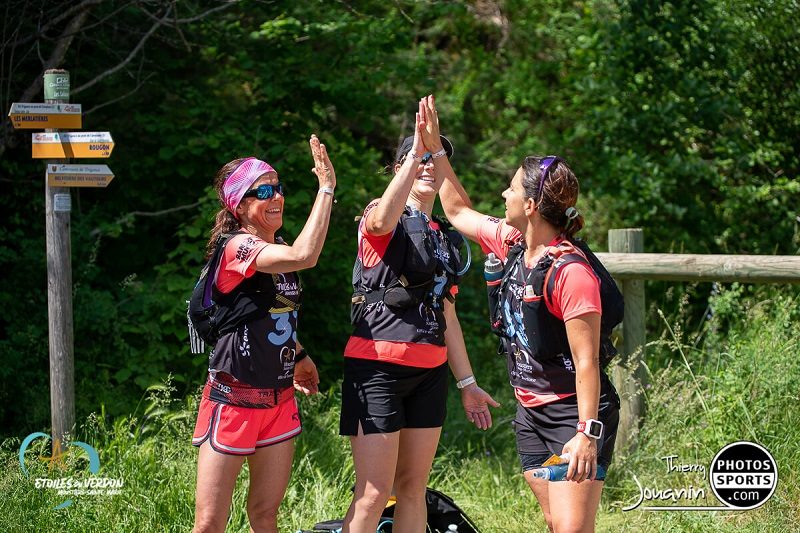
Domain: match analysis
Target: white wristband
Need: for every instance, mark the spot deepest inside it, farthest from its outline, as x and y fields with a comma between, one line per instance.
x=414, y=157
x=469, y=380
x=326, y=190
x=439, y=154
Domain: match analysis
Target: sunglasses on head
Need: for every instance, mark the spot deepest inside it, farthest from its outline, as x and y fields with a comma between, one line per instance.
x=544, y=167
x=265, y=191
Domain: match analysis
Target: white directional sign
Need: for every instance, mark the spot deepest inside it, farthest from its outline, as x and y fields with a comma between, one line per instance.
x=78, y=144
x=79, y=175
x=40, y=116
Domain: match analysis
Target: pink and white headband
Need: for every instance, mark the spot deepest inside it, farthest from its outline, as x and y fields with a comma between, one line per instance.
x=241, y=179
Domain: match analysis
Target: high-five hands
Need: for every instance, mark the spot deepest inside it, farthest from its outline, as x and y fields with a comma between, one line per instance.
x=429, y=124
x=323, y=168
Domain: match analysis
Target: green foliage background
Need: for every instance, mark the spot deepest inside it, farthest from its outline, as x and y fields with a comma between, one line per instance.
x=682, y=118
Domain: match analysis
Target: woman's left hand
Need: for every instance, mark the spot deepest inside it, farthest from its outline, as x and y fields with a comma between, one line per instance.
x=582, y=457
x=476, y=403
x=306, y=377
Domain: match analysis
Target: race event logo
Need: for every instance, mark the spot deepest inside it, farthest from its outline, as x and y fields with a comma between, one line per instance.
x=743, y=475
x=72, y=485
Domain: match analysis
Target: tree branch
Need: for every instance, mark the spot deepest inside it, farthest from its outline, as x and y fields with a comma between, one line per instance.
x=57, y=20
x=139, y=84
x=128, y=216
x=127, y=60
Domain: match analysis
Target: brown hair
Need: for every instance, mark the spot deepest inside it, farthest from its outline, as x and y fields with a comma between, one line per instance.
x=224, y=221
x=555, y=195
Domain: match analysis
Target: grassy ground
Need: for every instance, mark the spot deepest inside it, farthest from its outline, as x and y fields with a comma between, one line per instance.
x=741, y=386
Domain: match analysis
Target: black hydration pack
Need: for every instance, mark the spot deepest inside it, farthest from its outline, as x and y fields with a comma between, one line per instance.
x=442, y=513
x=425, y=256
x=212, y=314
x=611, y=299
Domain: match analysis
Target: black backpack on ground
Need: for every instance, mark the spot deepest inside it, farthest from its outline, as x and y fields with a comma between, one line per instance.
x=442, y=513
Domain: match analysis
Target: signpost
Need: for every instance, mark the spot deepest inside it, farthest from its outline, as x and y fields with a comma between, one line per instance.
x=57, y=148
x=59, y=273
x=47, y=115
x=78, y=175
x=80, y=144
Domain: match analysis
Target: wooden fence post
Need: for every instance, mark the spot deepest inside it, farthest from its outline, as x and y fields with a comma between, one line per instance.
x=59, y=285
x=628, y=373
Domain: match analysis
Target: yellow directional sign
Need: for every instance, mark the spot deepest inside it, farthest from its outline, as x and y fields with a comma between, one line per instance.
x=79, y=175
x=71, y=144
x=40, y=116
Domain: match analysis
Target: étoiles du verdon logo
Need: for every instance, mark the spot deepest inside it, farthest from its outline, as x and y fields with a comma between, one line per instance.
x=79, y=484
x=742, y=476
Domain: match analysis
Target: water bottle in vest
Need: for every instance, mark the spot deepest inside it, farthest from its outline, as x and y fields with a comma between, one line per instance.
x=559, y=472
x=492, y=270
x=452, y=528
x=493, y=274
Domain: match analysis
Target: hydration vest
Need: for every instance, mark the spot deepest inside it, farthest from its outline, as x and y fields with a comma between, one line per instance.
x=212, y=313
x=534, y=340
x=401, y=297
x=253, y=327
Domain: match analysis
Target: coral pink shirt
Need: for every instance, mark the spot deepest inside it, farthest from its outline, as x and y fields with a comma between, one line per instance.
x=574, y=295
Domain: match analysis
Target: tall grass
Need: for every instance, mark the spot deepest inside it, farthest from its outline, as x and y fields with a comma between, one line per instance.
x=736, y=379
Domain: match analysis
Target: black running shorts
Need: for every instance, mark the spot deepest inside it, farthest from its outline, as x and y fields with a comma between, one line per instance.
x=544, y=430
x=386, y=397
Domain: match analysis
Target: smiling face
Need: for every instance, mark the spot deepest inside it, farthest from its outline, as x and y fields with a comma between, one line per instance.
x=266, y=215
x=518, y=207
x=425, y=185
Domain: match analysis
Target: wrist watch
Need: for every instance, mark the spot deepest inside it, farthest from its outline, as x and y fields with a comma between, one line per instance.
x=591, y=428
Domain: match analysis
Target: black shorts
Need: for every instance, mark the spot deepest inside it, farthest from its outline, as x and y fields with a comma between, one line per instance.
x=544, y=430
x=385, y=397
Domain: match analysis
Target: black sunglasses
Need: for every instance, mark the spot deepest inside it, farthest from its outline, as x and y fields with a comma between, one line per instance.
x=265, y=191
x=425, y=158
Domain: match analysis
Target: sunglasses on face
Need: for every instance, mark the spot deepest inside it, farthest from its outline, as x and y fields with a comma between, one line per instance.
x=265, y=191
x=425, y=158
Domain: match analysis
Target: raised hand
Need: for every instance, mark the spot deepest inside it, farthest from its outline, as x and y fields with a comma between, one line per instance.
x=418, y=148
x=323, y=168
x=429, y=124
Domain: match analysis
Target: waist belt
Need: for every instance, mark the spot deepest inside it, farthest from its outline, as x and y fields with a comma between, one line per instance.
x=236, y=393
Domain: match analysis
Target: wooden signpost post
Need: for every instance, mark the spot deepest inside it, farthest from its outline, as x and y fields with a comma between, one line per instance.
x=57, y=148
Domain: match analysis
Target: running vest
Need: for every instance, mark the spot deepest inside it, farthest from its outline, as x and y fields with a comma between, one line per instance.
x=534, y=340
x=401, y=297
x=260, y=352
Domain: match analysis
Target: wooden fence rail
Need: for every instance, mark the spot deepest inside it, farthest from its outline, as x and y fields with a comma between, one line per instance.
x=626, y=262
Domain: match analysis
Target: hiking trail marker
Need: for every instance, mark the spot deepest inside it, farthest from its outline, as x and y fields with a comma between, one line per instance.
x=49, y=115
x=60, y=175
x=57, y=148
x=79, y=144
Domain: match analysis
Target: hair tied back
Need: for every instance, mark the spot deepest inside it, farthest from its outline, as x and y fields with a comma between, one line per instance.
x=571, y=214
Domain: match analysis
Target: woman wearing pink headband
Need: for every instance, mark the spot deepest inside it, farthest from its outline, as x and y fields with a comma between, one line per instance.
x=248, y=409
